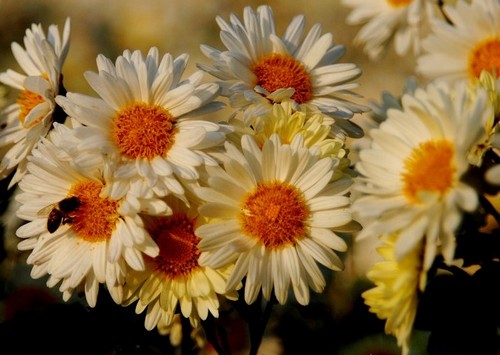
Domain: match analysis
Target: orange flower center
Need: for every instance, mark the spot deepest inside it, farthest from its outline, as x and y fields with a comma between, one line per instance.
x=27, y=101
x=275, y=213
x=485, y=56
x=429, y=168
x=279, y=71
x=178, y=245
x=144, y=131
x=96, y=217
x=397, y=3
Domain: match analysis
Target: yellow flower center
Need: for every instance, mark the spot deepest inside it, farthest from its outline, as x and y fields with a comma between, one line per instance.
x=27, y=101
x=143, y=131
x=486, y=55
x=178, y=245
x=279, y=71
x=96, y=217
x=429, y=168
x=397, y=3
x=275, y=213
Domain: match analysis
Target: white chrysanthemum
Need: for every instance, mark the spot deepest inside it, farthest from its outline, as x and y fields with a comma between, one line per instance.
x=259, y=67
x=398, y=283
x=462, y=49
x=174, y=280
x=274, y=212
x=410, y=180
x=77, y=235
x=24, y=122
x=386, y=21
x=147, y=121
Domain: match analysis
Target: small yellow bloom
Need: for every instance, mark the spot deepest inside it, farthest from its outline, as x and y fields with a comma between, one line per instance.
x=397, y=286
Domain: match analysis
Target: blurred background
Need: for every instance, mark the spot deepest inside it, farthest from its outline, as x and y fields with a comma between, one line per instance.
x=35, y=320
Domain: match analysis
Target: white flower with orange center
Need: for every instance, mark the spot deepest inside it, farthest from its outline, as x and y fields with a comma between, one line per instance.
x=148, y=122
x=398, y=283
x=259, y=68
x=275, y=213
x=30, y=117
x=467, y=46
x=173, y=282
x=411, y=174
x=77, y=235
x=383, y=22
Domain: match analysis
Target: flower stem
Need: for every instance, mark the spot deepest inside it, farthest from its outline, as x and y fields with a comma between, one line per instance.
x=258, y=328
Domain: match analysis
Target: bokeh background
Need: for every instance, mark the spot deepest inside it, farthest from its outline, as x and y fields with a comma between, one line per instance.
x=35, y=320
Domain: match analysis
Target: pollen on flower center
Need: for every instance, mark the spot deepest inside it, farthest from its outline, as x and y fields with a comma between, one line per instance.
x=27, y=101
x=429, y=168
x=278, y=71
x=178, y=245
x=397, y=3
x=486, y=55
x=275, y=213
x=143, y=131
x=96, y=217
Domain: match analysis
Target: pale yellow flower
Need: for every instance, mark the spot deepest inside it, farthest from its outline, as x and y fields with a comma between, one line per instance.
x=398, y=283
x=316, y=129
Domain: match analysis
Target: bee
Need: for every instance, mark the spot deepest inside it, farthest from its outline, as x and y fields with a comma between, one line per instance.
x=61, y=212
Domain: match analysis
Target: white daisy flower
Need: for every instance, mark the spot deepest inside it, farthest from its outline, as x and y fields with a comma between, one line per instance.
x=465, y=47
x=24, y=122
x=274, y=212
x=259, y=68
x=77, y=235
x=387, y=21
x=410, y=180
x=147, y=121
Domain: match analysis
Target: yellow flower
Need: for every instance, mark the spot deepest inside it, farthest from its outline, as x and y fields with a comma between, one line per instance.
x=316, y=128
x=397, y=286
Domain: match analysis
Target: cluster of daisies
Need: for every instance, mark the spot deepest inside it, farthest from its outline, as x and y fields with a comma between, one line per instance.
x=146, y=191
